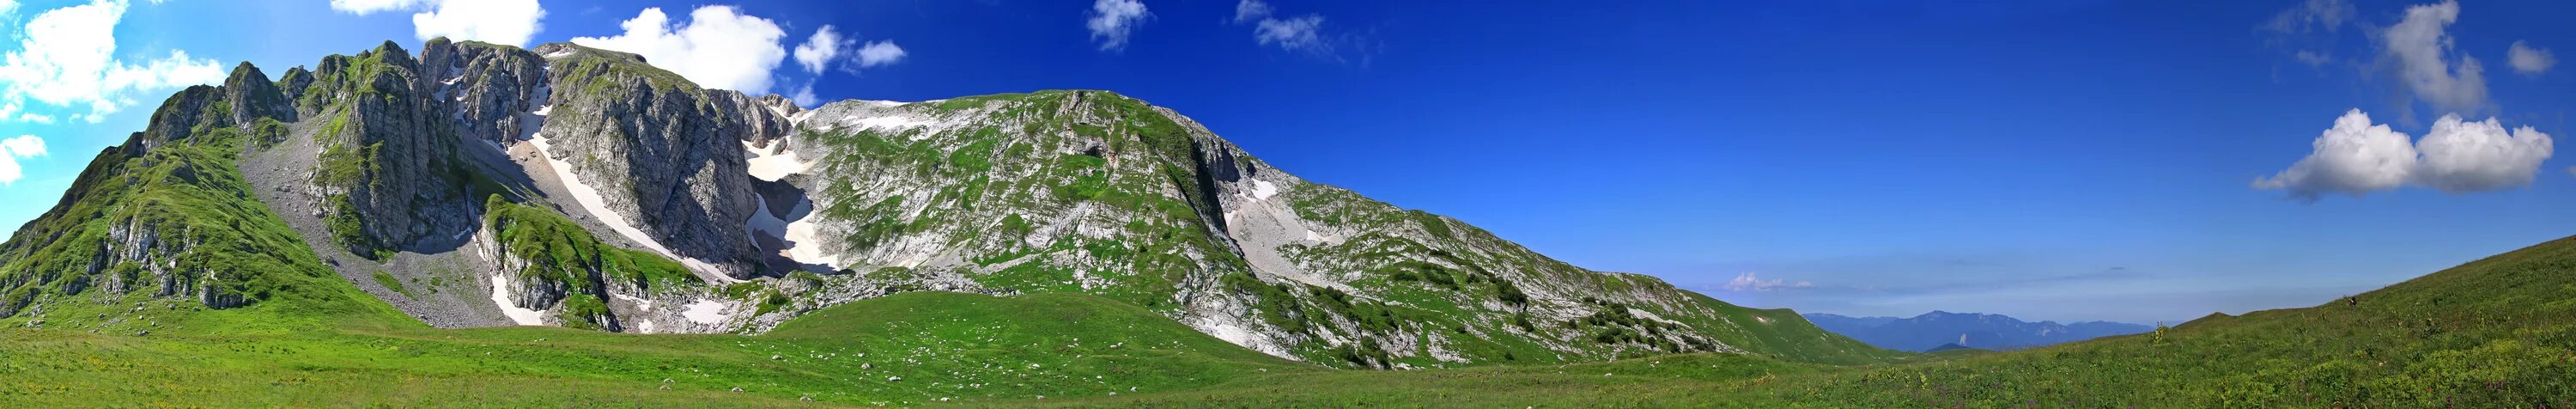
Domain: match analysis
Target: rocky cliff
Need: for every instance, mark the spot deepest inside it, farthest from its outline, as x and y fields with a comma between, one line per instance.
x=477, y=184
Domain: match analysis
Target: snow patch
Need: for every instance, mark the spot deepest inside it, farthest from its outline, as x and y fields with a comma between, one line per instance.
x=567, y=51
x=772, y=167
x=804, y=248
x=1263, y=190
x=597, y=205
x=645, y=326
x=1312, y=236
x=522, y=316
x=705, y=311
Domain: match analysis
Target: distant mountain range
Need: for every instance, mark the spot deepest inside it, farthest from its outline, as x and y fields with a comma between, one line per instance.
x=1939, y=329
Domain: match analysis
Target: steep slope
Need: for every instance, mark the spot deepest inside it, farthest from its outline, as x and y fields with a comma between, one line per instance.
x=482, y=185
x=1094, y=192
x=164, y=226
x=1981, y=331
x=2498, y=332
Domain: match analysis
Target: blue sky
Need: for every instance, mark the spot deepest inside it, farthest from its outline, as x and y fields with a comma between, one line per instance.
x=2067, y=160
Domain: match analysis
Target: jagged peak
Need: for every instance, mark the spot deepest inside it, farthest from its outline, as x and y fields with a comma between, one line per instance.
x=244, y=71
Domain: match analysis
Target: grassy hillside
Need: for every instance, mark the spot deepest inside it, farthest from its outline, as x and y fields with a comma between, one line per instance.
x=2499, y=332
x=905, y=349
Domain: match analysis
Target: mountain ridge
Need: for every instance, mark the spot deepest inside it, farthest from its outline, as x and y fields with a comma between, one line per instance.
x=393, y=170
x=1931, y=331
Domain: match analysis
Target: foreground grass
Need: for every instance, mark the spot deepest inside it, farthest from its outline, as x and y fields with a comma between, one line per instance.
x=906, y=349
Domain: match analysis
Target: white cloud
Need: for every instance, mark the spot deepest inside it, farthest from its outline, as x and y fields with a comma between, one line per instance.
x=23, y=146
x=819, y=51
x=718, y=47
x=510, y=22
x=364, y=7
x=1294, y=34
x=7, y=6
x=34, y=118
x=1301, y=34
x=2529, y=61
x=2465, y=157
x=804, y=96
x=67, y=58
x=878, y=53
x=828, y=45
x=2417, y=48
x=1747, y=282
x=1249, y=10
x=2357, y=157
x=1112, y=21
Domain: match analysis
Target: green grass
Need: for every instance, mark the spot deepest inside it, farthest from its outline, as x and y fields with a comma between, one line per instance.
x=941, y=345
x=2499, y=332
x=391, y=283
x=559, y=250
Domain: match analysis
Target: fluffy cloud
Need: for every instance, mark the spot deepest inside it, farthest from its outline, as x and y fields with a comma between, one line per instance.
x=2357, y=157
x=828, y=45
x=23, y=146
x=2529, y=61
x=819, y=51
x=1113, y=20
x=1301, y=33
x=718, y=47
x=67, y=58
x=510, y=22
x=2418, y=48
x=880, y=53
x=2465, y=157
x=7, y=6
x=1747, y=282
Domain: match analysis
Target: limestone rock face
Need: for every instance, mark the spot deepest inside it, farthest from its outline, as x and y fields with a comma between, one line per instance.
x=485, y=88
x=389, y=150
x=665, y=153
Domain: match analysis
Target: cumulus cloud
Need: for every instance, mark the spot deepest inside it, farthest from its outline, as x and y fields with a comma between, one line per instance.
x=718, y=47
x=1747, y=282
x=8, y=6
x=1112, y=21
x=2529, y=61
x=12, y=149
x=2417, y=47
x=510, y=22
x=67, y=58
x=2464, y=157
x=828, y=46
x=2357, y=157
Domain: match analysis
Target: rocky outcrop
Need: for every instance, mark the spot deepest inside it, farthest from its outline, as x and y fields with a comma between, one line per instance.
x=485, y=88
x=663, y=152
x=389, y=151
x=250, y=95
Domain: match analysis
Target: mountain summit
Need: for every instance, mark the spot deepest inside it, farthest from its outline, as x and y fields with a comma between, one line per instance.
x=474, y=184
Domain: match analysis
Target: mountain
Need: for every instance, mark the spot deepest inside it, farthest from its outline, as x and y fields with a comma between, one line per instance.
x=480, y=185
x=1930, y=331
